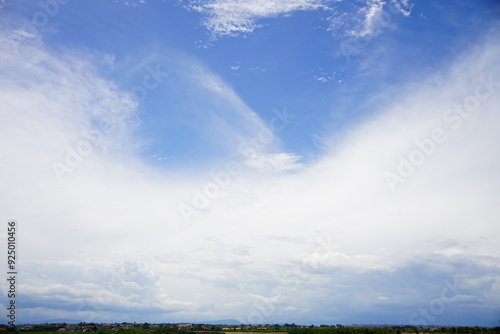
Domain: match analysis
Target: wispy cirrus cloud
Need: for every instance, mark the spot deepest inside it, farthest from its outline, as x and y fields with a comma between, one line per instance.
x=232, y=17
x=368, y=18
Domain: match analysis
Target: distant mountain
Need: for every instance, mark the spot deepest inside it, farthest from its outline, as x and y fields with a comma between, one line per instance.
x=60, y=321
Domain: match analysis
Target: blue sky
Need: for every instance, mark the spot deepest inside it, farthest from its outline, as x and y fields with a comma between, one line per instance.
x=306, y=161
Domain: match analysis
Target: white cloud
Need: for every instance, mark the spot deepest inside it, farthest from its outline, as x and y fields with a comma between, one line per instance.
x=259, y=236
x=231, y=17
x=234, y=17
x=403, y=6
x=274, y=161
x=96, y=289
x=370, y=17
x=133, y=3
x=210, y=108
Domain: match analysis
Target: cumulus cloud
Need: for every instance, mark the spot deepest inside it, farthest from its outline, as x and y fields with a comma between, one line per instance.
x=92, y=290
